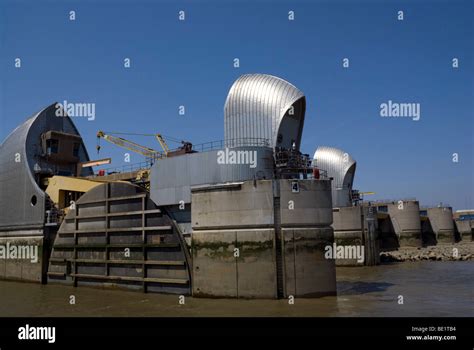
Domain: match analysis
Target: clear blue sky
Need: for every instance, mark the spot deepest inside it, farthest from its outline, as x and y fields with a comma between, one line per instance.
x=191, y=63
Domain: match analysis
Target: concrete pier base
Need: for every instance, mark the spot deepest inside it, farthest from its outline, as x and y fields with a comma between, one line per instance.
x=24, y=267
x=465, y=230
x=357, y=227
x=399, y=224
x=307, y=272
x=221, y=270
x=442, y=224
x=249, y=242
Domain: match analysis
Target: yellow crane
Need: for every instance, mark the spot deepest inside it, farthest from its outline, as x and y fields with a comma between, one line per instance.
x=363, y=194
x=148, y=152
x=129, y=145
x=359, y=196
x=186, y=147
x=163, y=144
x=366, y=193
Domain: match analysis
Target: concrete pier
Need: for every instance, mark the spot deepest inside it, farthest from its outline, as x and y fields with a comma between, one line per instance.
x=438, y=225
x=14, y=267
x=357, y=226
x=464, y=221
x=399, y=224
x=262, y=239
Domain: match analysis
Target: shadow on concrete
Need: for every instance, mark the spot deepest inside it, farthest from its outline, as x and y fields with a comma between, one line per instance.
x=427, y=234
x=387, y=235
x=457, y=235
x=355, y=288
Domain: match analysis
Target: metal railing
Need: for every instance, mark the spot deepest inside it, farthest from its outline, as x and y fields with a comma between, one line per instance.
x=126, y=168
x=231, y=143
x=247, y=142
x=287, y=162
x=201, y=147
x=439, y=205
x=291, y=163
x=393, y=201
x=208, y=146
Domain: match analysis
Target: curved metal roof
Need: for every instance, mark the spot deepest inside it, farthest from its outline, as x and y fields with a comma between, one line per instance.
x=20, y=154
x=338, y=164
x=341, y=167
x=258, y=106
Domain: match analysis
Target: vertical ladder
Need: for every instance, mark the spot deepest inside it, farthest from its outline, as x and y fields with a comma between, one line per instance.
x=278, y=248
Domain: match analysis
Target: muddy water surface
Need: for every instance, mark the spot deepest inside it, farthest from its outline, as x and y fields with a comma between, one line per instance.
x=429, y=288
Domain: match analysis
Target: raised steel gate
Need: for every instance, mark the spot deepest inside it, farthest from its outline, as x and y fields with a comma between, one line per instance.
x=115, y=235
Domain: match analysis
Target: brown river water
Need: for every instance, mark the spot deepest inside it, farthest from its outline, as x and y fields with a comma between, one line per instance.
x=429, y=288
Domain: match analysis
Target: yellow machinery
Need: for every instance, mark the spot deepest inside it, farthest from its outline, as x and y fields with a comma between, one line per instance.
x=143, y=150
x=359, y=196
x=64, y=189
x=63, y=192
x=92, y=163
x=142, y=175
x=130, y=145
x=163, y=144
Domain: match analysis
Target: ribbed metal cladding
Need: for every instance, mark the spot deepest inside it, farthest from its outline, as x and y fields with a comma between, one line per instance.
x=341, y=167
x=338, y=164
x=20, y=153
x=172, y=178
x=257, y=105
